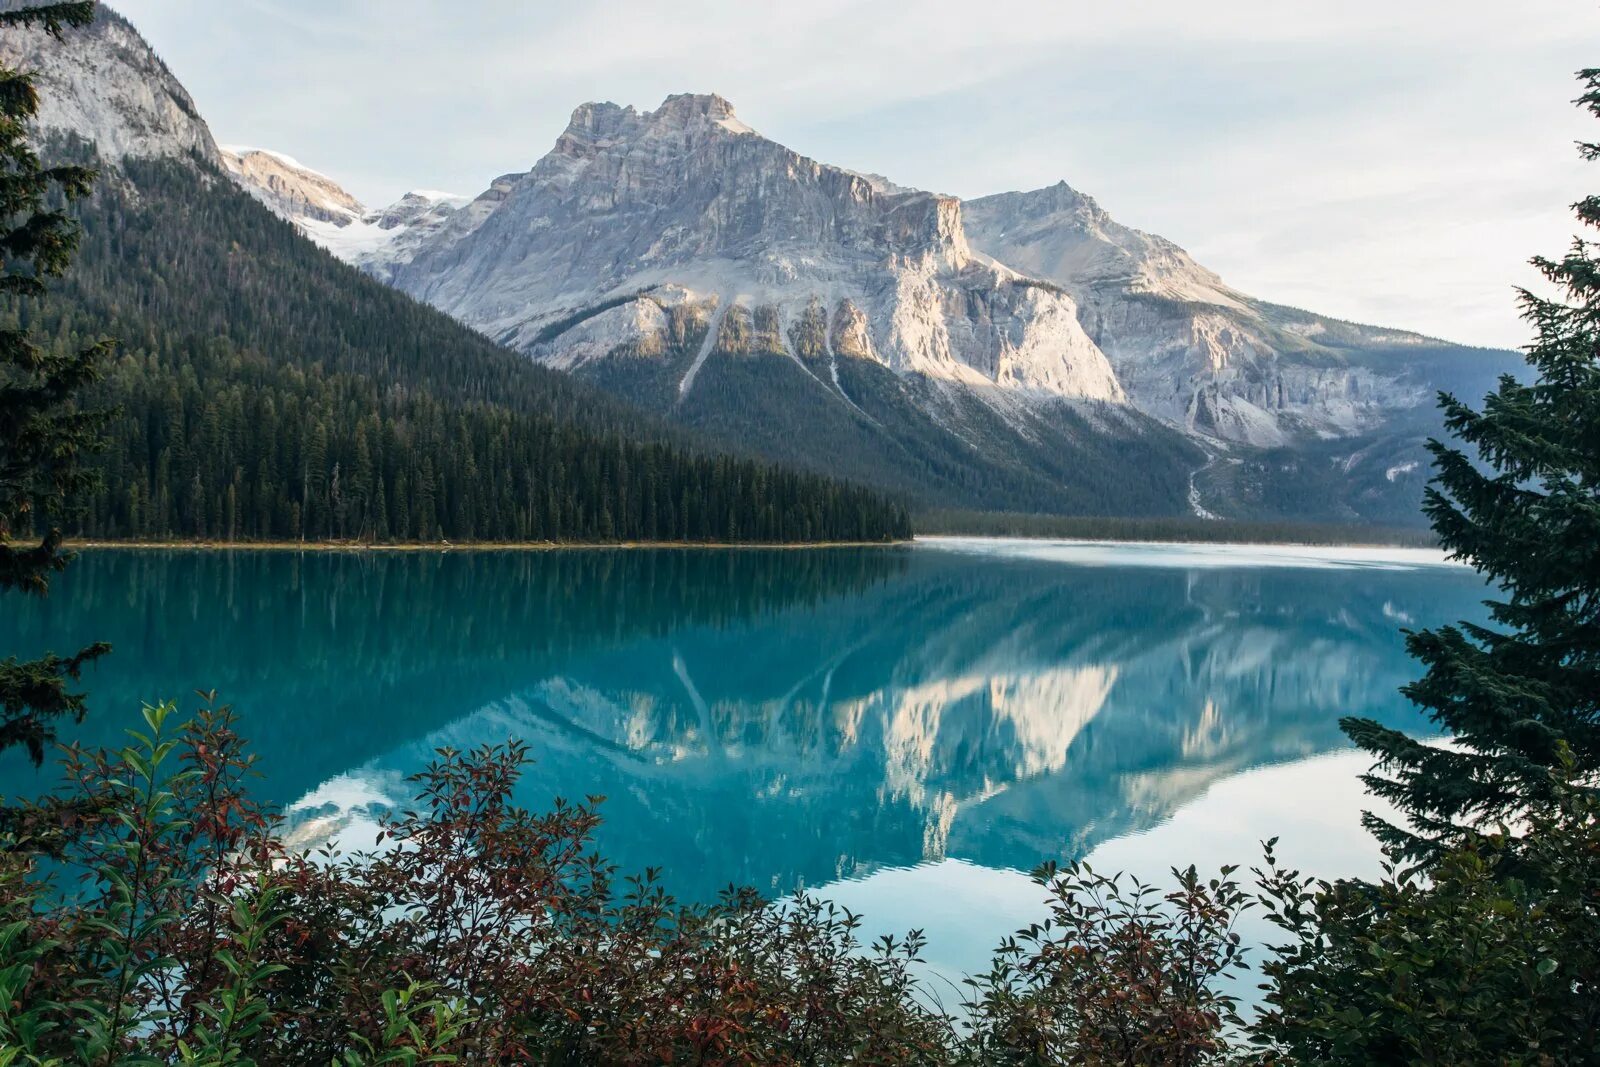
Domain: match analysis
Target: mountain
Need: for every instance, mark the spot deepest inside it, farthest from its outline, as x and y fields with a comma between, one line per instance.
x=702, y=232
x=1023, y=351
x=321, y=209
x=291, y=189
x=1193, y=350
x=778, y=254
x=106, y=86
x=688, y=264
x=267, y=390
x=1020, y=352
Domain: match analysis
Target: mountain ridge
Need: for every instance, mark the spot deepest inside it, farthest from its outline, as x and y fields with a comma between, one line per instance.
x=1183, y=345
x=110, y=88
x=697, y=217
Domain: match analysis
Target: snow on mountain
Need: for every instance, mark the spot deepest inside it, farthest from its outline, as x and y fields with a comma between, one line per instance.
x=378, y=238
x=387, y=237
x=109, y=88
x=290, y=188
x=334, y=219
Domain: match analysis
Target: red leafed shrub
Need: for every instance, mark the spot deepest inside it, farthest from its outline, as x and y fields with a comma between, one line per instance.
x=1120, y=973
x=152, y=913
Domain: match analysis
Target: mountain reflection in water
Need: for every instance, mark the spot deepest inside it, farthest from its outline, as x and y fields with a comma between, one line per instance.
x=775, y=718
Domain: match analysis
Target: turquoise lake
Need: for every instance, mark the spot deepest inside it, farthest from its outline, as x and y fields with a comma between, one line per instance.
x=907, y=730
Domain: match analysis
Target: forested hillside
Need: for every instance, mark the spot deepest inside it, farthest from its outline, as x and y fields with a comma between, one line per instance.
x=267, y=391
x=1051, y=457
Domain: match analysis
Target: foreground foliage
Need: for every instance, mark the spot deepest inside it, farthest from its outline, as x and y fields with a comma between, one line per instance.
x=176, y=925
x=1119, y=973
x=1491, y=956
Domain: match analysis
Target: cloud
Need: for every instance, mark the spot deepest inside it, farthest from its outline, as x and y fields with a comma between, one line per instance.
x=1391, y=162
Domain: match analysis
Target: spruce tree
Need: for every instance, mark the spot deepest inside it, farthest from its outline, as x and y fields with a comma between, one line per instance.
x=44, y=432
x=1522, y=695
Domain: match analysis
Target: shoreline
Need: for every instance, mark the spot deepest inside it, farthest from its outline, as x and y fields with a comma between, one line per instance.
x=464, y=546
x=1171, y=530
x=786, y=546
x=1200, y=553
x=1177, y=542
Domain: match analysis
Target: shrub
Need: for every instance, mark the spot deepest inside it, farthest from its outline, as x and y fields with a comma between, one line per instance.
x=1489, y=955
x=174, y=926
x=1119, y=974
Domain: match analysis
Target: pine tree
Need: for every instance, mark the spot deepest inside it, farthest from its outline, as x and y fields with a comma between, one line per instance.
x=1523, y=695
x=44, y=433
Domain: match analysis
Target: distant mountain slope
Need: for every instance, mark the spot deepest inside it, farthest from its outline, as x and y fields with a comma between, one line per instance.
x=290, y=188
x=1202, y=355
x=1021, y=351
x=324, y=212
x=108, y=87
x=701, y=271
x=268, y=390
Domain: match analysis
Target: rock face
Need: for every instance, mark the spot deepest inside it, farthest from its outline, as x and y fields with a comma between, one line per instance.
x=634, y=213
x=1188, y=348
x=290, y=188
x=107, y=87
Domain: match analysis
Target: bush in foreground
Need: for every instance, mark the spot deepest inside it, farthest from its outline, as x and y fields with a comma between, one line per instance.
x=151, y=913
x=173, y=924
x=1490, y=955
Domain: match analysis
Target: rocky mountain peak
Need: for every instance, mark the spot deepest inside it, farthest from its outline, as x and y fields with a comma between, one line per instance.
x=1066, y=236
x=413, y=206
x=1063, y=197
x=688, y=110
x=594, y=123
x=680, y=116
x=692, y=154
x=713, y=105
x=688, y=205
x=289, y=187
x=595, y=126
x=107, y=86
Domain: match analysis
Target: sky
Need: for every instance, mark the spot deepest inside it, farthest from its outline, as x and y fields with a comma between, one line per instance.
x=1387, y=161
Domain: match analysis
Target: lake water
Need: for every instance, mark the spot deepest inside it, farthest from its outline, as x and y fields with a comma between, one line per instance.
x=906, y=730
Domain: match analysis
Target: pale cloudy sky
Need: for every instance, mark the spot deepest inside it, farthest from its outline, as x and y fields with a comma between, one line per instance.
x=1388, y=161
